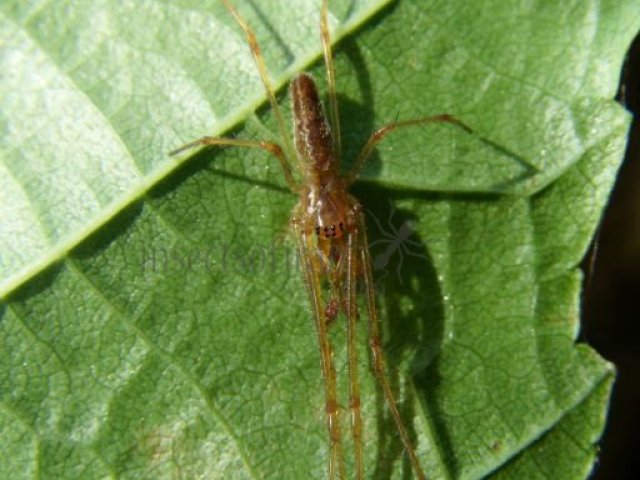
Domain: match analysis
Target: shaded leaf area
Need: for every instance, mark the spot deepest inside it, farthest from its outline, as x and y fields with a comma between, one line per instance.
x=176, y=341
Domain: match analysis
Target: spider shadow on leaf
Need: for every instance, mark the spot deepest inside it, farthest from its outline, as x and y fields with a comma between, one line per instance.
x=412, y=317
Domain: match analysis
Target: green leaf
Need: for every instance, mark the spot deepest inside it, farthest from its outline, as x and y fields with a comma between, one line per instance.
x=154, y=322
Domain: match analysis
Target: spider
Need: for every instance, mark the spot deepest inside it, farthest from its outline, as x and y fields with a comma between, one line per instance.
x=331, y=235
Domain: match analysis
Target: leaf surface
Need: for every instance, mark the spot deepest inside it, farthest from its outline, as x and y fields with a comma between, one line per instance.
x=154, y=321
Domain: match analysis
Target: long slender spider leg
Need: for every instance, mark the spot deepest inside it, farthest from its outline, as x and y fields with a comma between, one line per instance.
x=380, y=133
x=331, y=77
x=352, y=352
x=313, y=271
x=378, y=356
x=262, y=69
x=273, y=148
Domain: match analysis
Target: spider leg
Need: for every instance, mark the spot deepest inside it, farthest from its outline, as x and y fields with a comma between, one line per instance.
x=313, y=273
x=352, y=350
x=262, y=69
x=273, y=148
x=377, y=136
x=375, y=343
x=331, y=77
